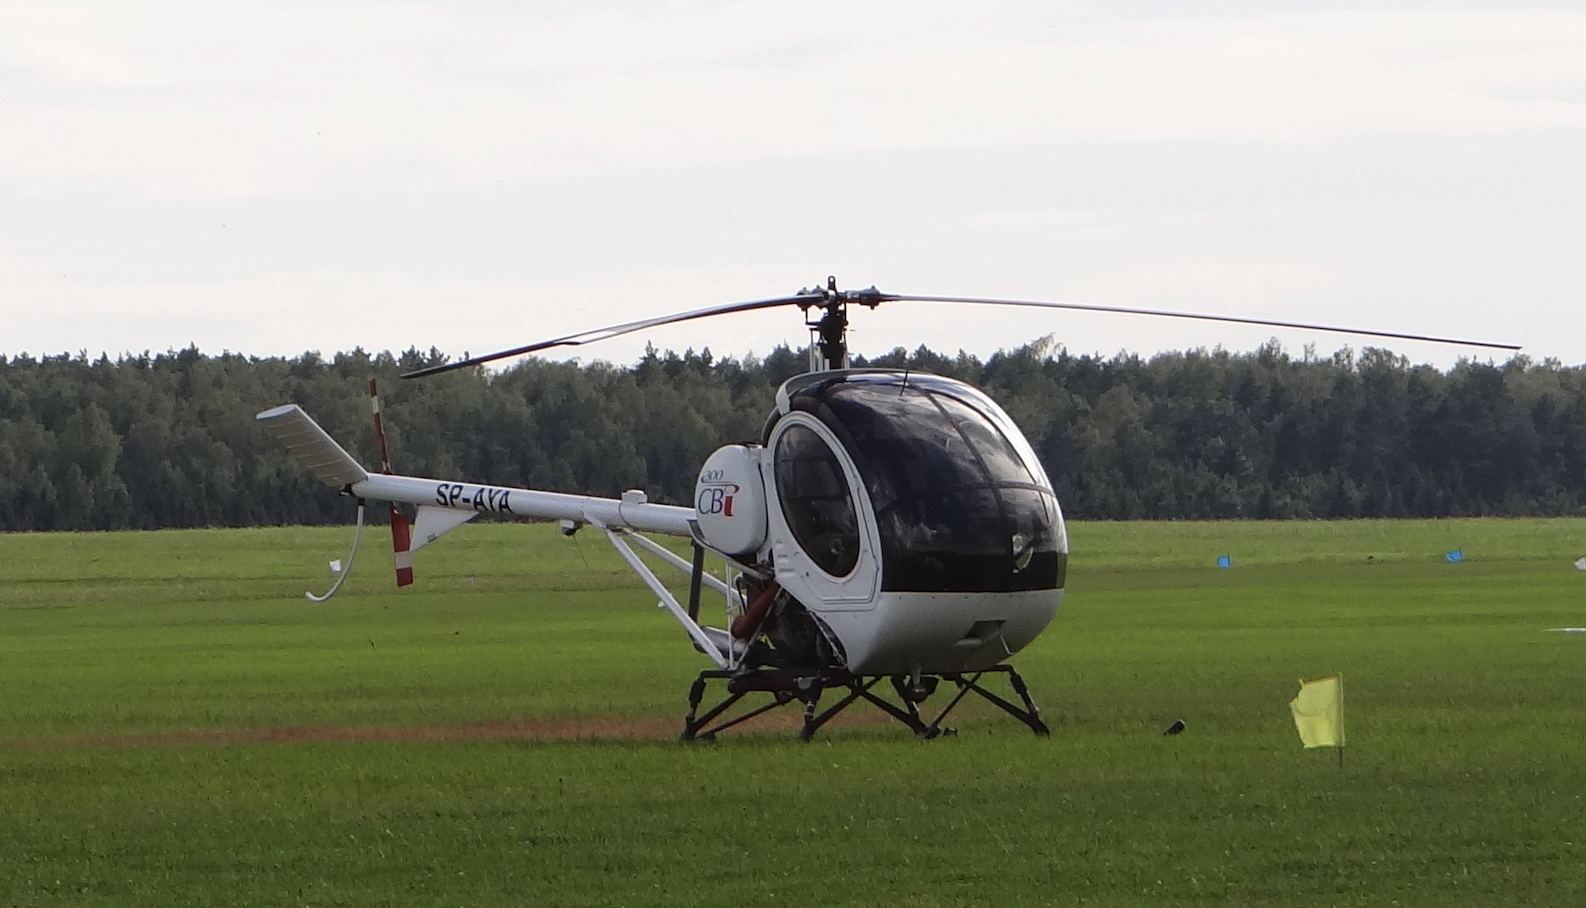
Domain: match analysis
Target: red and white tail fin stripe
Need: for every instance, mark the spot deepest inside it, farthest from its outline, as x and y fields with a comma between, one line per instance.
x=400, y=542
x=379, y=428
x=401, y=535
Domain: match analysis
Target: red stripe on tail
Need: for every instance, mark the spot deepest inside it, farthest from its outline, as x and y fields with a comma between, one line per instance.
x=401, y=529
x=379, y=428
x=401, y=541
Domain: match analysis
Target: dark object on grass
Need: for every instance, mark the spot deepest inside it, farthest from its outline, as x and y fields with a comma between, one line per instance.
x=1175, y=728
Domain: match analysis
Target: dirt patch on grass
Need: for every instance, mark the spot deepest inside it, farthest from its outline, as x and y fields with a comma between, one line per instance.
x=606, y=728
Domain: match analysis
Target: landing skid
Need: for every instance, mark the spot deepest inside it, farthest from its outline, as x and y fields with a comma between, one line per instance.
x=806, y=687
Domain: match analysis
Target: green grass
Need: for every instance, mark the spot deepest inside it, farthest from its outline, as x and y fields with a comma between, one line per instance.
x=1463, y=784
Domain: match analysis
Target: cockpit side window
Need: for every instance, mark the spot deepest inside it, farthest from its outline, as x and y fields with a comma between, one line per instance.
x=816, y=500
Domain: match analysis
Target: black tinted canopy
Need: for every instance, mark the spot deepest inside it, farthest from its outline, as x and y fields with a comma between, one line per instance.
x=960, y=509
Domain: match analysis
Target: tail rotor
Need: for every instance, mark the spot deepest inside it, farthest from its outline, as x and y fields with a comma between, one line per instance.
x=401, y=526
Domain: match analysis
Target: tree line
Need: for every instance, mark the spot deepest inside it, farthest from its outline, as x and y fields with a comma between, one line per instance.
x=170, y=440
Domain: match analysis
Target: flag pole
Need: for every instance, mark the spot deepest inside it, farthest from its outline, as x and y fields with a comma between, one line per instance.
x=1340, y=720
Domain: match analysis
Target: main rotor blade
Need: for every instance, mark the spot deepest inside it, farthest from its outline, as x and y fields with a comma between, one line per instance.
x=1164, y=313
x=871, y=297
x=600, y=334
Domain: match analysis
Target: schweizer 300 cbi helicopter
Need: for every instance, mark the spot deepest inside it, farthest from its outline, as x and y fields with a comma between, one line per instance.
x=888, y=526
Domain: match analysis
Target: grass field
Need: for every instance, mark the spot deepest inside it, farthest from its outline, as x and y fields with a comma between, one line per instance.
x=179, y=727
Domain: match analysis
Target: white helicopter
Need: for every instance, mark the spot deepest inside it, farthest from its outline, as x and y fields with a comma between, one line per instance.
x=888, y=526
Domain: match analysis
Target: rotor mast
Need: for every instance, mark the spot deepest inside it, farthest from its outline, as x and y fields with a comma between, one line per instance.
x=829, y=341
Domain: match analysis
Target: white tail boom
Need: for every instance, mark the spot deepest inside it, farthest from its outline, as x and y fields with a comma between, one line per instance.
x=443, y=506
x=332, y=465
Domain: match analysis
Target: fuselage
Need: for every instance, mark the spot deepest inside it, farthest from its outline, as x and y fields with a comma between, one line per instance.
x=905, y=511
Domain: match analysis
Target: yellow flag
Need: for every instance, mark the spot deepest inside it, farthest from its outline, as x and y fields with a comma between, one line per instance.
x=1319, y=712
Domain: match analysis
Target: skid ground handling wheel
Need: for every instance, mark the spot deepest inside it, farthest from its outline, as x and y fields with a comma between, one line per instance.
x=785, y=686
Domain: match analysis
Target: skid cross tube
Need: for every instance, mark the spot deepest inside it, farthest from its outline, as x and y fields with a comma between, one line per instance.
x=806, y=686
x=1029, y=714
x=700, y=729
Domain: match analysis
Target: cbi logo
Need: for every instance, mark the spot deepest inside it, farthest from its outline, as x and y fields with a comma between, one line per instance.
x=716, y=498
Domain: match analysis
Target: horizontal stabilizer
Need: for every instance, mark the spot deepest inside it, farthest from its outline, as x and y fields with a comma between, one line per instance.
x=312, y=446
x=433, y=523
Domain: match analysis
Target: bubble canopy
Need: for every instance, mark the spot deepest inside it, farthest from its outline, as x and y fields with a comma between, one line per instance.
x=960, y=501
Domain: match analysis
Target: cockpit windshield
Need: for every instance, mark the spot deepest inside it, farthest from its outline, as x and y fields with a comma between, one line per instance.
x=958, y=507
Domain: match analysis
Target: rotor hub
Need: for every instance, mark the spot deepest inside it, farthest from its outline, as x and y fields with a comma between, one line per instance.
x=831, y=329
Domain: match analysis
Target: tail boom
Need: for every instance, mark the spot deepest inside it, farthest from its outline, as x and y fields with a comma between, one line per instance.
x=331, y=464
x=630, y=512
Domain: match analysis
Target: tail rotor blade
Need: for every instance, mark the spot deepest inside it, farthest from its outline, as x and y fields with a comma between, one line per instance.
x=401, y=546
x=379, y=427
x=401, y=527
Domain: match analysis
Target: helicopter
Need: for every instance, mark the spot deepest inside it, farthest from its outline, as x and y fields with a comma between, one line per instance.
x=888, y=530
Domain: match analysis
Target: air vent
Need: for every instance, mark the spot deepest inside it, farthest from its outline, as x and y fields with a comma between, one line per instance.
x=980, y=632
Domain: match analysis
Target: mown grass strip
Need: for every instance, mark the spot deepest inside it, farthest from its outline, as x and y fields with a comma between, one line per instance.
x=155, y=681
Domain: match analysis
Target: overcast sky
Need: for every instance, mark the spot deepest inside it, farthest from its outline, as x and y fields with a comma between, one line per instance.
x=276, y=177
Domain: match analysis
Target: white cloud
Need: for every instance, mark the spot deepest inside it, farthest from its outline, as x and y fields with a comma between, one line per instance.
x=1457, y=268
x=398, y=174
x=204, y=98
